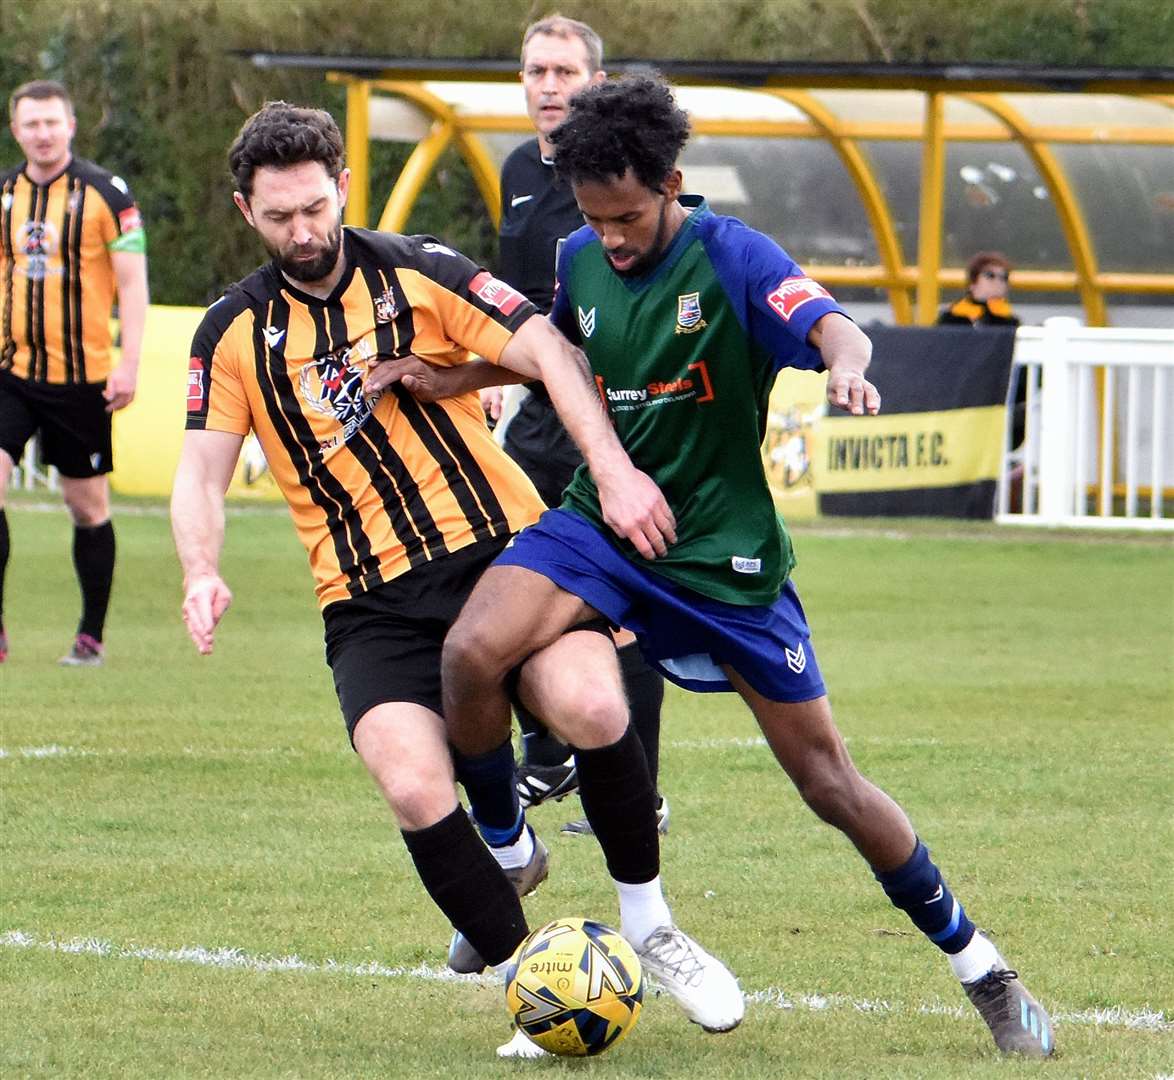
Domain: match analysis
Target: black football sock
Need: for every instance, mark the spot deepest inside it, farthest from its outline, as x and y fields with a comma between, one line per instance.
x=620, y=803
x=4, y=550
x=468, y=886
x=644, y=686
x=93, y=559
x=540, y=746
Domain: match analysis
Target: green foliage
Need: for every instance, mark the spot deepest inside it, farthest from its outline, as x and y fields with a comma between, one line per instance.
x=160, y=96
x=1011, y=689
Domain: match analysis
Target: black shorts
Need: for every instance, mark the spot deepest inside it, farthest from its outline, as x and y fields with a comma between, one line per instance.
x=72, y=419
x=385, y=645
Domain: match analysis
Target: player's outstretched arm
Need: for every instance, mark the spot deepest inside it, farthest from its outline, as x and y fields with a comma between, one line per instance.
x=205, y=469
x=631, y=503
x=846, y=352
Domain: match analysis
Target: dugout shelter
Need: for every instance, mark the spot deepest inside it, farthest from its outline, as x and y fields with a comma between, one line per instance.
x=881, y=178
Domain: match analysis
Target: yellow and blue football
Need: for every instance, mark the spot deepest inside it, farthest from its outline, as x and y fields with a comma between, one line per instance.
x=574, y=987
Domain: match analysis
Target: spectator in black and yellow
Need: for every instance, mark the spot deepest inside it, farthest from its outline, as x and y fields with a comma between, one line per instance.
x=985, y=302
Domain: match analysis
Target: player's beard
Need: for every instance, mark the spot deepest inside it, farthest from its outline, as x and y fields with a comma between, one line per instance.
x=315, y=269
x=652, y=256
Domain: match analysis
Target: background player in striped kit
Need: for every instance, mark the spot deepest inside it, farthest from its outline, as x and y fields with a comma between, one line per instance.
x=70, y=238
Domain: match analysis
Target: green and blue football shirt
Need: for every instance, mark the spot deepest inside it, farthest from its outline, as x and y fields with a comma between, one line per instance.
x=684, y=358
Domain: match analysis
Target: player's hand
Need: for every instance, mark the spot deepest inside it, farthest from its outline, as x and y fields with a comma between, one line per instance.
x=852, y=391
x=424, y=381
x=491, y=399
x=634, y=508
x=120, y=388
x=205, y=601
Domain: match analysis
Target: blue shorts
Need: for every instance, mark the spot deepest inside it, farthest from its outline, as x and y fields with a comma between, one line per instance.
x=683, y=634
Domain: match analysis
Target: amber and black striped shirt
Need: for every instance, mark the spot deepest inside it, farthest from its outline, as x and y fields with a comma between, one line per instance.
x=377, y=485
x=57, y=278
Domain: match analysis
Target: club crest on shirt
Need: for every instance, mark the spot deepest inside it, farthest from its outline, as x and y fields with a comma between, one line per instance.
x=689, y=319
x=587, y=322
x=385, y=307
x=39, y=242
x=332, y=385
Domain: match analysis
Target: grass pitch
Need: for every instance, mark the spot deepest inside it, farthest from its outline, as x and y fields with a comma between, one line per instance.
x=198, y=879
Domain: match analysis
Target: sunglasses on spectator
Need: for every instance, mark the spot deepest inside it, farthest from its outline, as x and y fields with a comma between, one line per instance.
x=995, y=275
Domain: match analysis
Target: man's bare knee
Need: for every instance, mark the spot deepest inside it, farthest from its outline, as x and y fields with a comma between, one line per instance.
x=596, y=715
x=472, y=653
x=87, y=502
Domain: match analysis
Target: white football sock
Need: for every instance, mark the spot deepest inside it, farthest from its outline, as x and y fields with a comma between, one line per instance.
x=974, y=961
x=518, y=854
x=642, y=910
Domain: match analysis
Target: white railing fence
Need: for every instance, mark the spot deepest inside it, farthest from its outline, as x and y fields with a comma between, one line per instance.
x=32, y=474
x=1095, y=421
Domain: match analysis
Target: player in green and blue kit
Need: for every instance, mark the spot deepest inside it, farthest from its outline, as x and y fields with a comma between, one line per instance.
x=685, y=318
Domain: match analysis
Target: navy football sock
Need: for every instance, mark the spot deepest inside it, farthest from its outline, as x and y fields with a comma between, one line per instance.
x=917, y=889
x=488, y=780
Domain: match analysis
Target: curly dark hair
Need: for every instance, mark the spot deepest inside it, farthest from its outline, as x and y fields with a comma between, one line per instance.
x=283, y=134
x=629, y=123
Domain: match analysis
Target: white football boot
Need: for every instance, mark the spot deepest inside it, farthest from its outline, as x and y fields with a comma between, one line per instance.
x=702, y=984
x=520, y=1046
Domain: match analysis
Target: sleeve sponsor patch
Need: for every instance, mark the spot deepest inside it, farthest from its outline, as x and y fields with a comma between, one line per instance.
x=195, y=385
x=129, y=219
x=792, y=293
x=496, y=293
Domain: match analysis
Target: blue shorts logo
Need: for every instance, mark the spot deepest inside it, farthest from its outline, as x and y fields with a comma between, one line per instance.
x=797, y=659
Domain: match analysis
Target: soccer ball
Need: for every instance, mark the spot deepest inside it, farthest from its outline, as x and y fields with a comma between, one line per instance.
x=574, y=987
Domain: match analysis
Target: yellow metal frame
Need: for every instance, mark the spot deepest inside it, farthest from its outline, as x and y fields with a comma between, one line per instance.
x=859, y=169
x=929, y=226
x=447, y=128
x=913, y=291
x=1071, y=217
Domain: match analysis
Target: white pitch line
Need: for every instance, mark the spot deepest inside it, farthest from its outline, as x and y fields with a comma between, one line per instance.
x=227, y=958
x=55, y=751
x=219, y=753
x=51, y=751
x=1143, y=1019
x=750, y=742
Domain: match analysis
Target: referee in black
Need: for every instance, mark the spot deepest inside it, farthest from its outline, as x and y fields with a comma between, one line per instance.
x=560, y=57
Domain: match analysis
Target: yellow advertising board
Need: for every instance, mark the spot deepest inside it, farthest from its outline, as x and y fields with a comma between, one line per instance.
x=908, y=450
x=148, y=433
x=797, y=404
